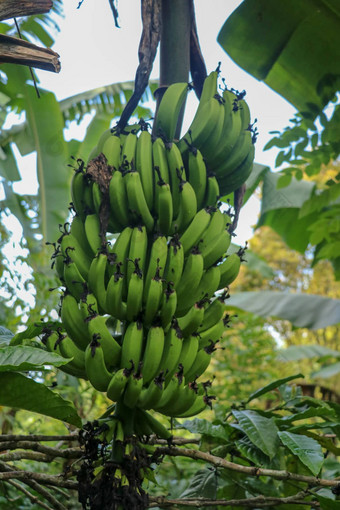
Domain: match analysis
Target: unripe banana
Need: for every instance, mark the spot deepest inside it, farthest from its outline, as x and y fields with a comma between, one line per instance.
x=192, y=319
x=153, y=353
x=144, y=166
x=128, y=157
x=213, y=334
x=71, y=249
x=97, y=279
x=216, y=249
x=168, y=306
x=138, y=250
x=229, y=270
x=197, y=175
x=132, y=345
x=150, y=395
x=156, y=259
x=119, y=252
x=111, y=148
x=74, y=281
x=95, y=366
x=118, y=200
x=212, y=193
x=213, y=312
x=168, y=112
x=98, y=330
x=77, y=230
x=201, y=363
x=189, y=352
x=68, y=349
x=153, y=298
x=192, y=235
x=191, y=276
x=114, y=295
x=174, y=262
x=93, y=233
x=73, y=322
x=118, y=383
x=135, y=294
x=136, y=199
x=164, y=207
x=133, y=389
x=187, y=207
x=176, y=172
x=172, y=351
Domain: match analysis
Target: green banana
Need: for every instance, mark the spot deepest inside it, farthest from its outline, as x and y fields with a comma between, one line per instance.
x=128, y=156
x=144, y=166
x=77, y=191
x=229, y=270
x=95, y=366
x=164, y=207
x=191, y=236
x=189, y=352
x=201, y=363
x=71, y=249
x=239, y=175
x=77, y=230
x=168, y=306
x=176, y=173
x=68, y=349
x=132, y=345
x=213, y=312
x=212, y=193
x=169, y=109
x=187, y=207
x=160, y=162
x=197, y=175
x=73, y=322
x=174, y=262
x=74, y=281
x=152, y=299
x=208, y=285
x=111, y=148
x=93, y=233
x=156, y=259
x=216, y=249
x=187, y=396
x=137, y=250
x=153, y=353
x=200, y=404
x=191, y=276
x=230, y=132
x=119, y=252
x=99, y=331
x=118, y=383
x=136, y=199
x=134, y=299
x=51, y=341
x=213, y=334
x=97, y=278
x=192, y=319
x=151, y=394
x=157, y=427
x=133, y=389
x=172, y=351
x=115, y=305
x=118, y=200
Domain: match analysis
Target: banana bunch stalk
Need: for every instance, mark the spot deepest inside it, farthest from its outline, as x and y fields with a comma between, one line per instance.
x=145, y=255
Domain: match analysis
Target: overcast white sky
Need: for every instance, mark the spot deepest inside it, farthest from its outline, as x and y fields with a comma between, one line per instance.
x=93, y=52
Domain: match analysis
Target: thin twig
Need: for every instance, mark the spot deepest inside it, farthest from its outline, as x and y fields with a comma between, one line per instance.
x=249, y=502
x=42, y=478
x=251, y=471
x=67, y=453
x=29, y=495
x=38, y=437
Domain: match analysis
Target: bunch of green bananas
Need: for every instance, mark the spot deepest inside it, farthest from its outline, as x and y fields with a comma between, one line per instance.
x=146, y=252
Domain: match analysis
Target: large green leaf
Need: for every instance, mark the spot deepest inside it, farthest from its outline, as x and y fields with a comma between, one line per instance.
x=327, y=503
x=298, y=352
x=302, y=310
x=328, y=371
x=8, y=164
x=199, y=426
x=305, y=448
x=292, y=46
x=20, y=392
x=203, y=484
x=261, y=431
x=23, y=358
x=272, y=386
x=280, y=208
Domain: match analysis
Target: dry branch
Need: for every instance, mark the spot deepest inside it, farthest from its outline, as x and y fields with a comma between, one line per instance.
x=249, y=502
x=13, y=8
x=248, y=470
x=18, y=51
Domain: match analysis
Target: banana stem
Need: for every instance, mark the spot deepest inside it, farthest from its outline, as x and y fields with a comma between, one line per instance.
x=174, y=47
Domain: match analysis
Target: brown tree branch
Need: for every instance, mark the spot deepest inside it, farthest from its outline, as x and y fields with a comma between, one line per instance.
x=251, y=471
x=38, y=437
x=13, y=8
x=249, y=502
x=67, y=453
x=42, y=478
x=18, y=51
x=29, y=495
